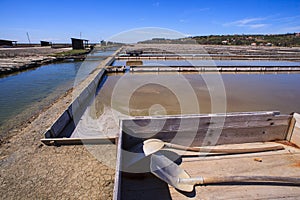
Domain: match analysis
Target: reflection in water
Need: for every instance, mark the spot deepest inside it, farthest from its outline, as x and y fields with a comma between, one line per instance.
x=244, y=92
x=25, y=94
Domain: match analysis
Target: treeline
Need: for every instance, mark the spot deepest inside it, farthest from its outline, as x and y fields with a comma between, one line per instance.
x=284, y=40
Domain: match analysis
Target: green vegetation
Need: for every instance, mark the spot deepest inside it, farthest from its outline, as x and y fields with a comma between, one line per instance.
x=284, y=40
x=71, y=53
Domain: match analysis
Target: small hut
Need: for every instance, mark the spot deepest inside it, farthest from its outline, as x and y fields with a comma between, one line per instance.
x=46, y=43
x=8, y=43
x=79, y=43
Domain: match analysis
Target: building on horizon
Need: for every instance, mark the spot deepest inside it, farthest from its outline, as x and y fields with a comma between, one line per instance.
x=79, y=43
x=8, y=43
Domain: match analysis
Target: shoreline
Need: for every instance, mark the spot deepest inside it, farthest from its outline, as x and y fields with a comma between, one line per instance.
x=11, y=129
x=18, y=62
x=29, y=169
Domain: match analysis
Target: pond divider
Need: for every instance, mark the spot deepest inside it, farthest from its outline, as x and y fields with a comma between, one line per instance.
x=60, y=131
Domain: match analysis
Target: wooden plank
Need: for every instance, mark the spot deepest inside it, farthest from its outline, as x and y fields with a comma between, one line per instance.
x=77, y=141
x=217, y=117
x=208, y=137
x=238, y=128
x=147, y=186
x=295, y=137
x=290, y=129
x=74, y=108
x=100, y=76
x=117, y=184
x=60, y=124
x=271, y=165
x=84, y=97
x=207, y=130
x=194, y=123
x=67, y=131
x=199, y=156
x=92, y=87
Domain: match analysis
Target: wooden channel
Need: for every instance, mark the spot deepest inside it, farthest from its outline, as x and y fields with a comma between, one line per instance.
x=242, y=130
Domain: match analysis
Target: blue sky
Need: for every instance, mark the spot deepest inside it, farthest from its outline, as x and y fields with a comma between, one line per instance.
x=57, y=21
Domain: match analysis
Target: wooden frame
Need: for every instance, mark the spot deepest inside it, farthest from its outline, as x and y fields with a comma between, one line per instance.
x=77, y=141
x=294, y=130
x=241, y=129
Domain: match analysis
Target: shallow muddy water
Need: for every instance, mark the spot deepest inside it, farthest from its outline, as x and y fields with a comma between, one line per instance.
x=144, y=94
x=234, y=63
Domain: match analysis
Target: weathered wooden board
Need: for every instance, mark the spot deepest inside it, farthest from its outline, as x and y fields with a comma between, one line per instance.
x=271, y=165
x=60, y=124
x=147, y=186
x=77, y=141
x=295, y=135
x=117, y=185
x=208, y=130
x=237, y=129
x=207, y=137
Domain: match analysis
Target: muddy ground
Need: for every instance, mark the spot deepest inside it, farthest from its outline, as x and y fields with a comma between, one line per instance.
x=222, y=51
x=17, y=59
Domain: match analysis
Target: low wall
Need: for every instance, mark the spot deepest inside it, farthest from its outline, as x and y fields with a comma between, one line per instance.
x=205, y=69
x=66, y=123
x=84, y=94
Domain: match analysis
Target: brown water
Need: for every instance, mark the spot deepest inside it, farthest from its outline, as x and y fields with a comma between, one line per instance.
x=244, y=92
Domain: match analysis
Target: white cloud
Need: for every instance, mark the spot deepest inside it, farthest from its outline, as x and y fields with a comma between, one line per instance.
x=257, y=25
x=248, y=23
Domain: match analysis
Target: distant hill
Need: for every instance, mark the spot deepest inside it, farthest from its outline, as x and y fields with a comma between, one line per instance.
x=283, y=40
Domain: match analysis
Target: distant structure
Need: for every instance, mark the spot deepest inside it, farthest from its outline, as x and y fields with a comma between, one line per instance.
x=136, y=52
x=10, y=43
x=224, y=42
x=46, y=43
x=79, y=43
x=103, y=43
x=269, y=44
x=158, y=39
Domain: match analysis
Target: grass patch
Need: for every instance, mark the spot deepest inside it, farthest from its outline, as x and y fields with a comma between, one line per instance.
x=71, y=52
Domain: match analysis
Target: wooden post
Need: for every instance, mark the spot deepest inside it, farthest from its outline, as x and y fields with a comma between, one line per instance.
x=294, y=130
